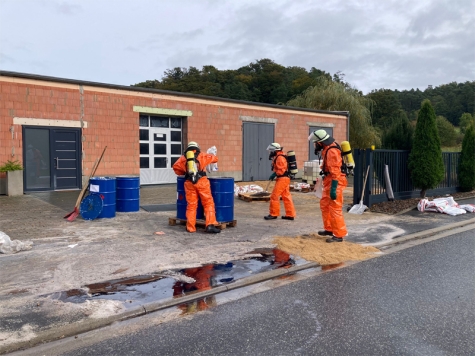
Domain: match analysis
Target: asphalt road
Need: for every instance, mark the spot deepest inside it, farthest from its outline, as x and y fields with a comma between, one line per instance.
x=416, y=301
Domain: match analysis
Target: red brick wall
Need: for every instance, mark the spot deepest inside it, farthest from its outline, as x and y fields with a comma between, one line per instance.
x=111, y=121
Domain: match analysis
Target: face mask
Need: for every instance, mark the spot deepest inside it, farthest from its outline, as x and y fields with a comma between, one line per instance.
x=271, y=155
x=318, y=148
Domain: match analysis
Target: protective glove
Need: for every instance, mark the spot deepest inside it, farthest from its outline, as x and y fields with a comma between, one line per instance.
x=272, y=176
x=333, y=189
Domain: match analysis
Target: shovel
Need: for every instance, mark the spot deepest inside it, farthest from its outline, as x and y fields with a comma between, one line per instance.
x=264, y=193
x=74, y=214
x=360, y=208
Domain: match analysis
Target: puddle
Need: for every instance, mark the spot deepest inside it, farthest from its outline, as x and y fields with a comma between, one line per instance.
x=147, y=288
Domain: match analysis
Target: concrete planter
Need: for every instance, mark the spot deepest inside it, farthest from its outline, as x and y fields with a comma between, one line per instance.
x=14, y=183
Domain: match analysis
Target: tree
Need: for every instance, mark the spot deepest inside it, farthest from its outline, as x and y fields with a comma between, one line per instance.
x=400, y=134
x=466, y=174
x=386, y=108
x=336, y=96
x=425, y=160
x=466, y=120
x=447, y=133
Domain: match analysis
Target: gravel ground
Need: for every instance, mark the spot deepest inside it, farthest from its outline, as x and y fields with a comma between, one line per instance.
x=397, y=206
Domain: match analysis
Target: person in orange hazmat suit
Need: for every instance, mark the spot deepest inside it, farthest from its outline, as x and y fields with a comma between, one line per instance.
x=282, y=185
x=197, y=186
x=334, y=182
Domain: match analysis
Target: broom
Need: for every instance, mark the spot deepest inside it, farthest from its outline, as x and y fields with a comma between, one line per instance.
x=74, y=214
x=360, y=208
x=262, y=194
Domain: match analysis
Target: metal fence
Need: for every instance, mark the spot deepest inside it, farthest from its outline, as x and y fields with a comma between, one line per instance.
x=375, y=189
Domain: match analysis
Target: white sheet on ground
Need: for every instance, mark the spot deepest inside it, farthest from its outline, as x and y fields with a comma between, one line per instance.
x=445, y=205
x=9, y=246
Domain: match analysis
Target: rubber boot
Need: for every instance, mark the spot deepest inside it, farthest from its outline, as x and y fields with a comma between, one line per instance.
x=325, y=233
x=212, y=229
x=334, y=239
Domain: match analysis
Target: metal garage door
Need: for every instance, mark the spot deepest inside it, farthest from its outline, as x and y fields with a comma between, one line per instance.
x=255, y=158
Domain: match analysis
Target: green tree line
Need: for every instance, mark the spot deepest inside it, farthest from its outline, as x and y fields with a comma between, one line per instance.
x=263, y=81
x=384, y=117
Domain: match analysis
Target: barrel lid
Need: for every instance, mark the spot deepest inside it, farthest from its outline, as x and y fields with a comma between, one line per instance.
x=128, y=177
x=91, y=206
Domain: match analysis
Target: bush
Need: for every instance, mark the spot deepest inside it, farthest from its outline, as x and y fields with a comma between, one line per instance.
x=466, y=174
x=400, y=135
x=447, y=132
x=425, y=160
x=11, y=166
x=466, y=120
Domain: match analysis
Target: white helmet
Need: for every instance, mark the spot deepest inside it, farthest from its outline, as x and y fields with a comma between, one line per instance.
x=274, y=147
x=321, y=136
x=192, y=145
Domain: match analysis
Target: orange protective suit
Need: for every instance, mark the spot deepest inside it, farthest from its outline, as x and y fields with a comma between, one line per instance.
x=281, y=188
x=201, y=190
x=332, y=209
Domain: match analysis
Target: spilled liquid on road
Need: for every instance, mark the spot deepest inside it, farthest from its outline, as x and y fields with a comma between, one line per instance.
x=142, y=289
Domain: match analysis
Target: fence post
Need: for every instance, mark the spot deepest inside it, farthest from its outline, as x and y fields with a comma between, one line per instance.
x=449, y=171
x=369, y=182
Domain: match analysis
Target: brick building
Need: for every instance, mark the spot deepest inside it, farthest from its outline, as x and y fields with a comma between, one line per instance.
x=58, y=127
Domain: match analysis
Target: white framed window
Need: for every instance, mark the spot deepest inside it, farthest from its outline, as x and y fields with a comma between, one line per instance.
x=160, y=147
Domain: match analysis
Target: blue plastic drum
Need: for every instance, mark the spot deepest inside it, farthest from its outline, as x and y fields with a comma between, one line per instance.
x=106, y=187
x=181, y=203
x=222, y=189
x=128, y=193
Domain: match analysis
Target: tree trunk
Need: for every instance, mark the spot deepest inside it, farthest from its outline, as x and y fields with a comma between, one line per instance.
x=423, y=193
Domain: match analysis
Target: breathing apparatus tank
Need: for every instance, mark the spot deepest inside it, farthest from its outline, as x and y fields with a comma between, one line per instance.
x=292, y=163
x=191, y=166
x=347, y=156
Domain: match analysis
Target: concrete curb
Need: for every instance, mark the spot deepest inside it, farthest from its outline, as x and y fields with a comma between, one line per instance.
x=91, y=324
x=427, y=233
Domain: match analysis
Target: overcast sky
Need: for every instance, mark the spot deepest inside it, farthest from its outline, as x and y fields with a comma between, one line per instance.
x=376, y=43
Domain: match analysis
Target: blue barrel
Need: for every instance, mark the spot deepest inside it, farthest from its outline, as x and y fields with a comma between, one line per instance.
x=105, y=186
x=222, y=189
x=181, y=203
x=128, y=193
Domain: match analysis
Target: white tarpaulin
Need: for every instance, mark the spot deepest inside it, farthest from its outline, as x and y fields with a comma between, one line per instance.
x=445, y=205
x=9, y=246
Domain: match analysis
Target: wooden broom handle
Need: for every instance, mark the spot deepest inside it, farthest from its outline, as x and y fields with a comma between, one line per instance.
x=98, y=162
x=364, y=183
x=93, y=171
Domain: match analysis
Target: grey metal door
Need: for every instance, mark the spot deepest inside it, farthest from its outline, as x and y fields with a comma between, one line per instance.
x=255, y=158
x=311, y=150
x=66, y=159
x=52, y=158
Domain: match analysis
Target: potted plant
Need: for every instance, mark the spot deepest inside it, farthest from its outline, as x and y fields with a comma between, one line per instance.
x=14, y=179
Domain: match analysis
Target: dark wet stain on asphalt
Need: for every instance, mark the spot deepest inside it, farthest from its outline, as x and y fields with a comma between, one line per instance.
x=148, y=288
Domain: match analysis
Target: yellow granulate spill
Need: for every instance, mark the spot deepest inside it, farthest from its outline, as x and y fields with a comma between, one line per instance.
x=314, y=248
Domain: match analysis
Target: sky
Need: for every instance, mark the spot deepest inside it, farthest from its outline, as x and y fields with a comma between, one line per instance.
x=377, y=44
